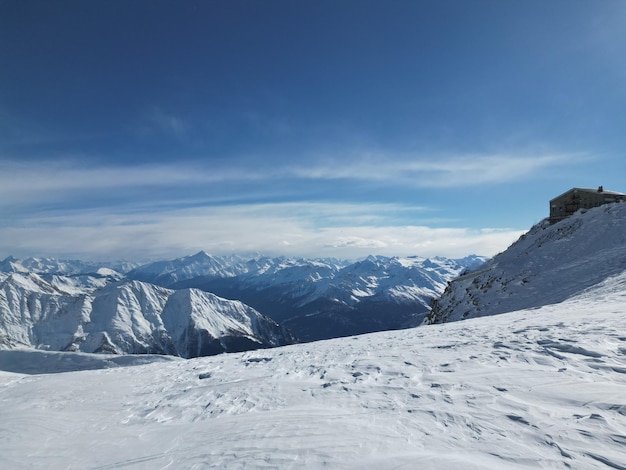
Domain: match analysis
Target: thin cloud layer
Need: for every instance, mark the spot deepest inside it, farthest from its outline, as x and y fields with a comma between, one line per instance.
x=149, y=211
x=438, y=172
x=281, y=229
x=27, y=180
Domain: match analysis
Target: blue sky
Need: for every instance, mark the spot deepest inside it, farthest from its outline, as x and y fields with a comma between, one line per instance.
x=152, y=129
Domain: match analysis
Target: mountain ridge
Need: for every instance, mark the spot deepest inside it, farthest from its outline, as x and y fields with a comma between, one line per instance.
x=550, y=263
x=314, y=298
x=126, y=317
x=319, y=299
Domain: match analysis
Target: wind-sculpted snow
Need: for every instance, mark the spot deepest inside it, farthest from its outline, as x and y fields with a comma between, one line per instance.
x=539, y=388
x=548, y=264
x=127, y=317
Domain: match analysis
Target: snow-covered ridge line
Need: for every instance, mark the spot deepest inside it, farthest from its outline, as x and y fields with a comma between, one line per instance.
x=169, y=272
x=548, y=264
x=62, y=267
x=128, y=317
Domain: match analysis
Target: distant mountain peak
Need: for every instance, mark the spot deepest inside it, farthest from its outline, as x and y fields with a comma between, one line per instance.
x=201, y=255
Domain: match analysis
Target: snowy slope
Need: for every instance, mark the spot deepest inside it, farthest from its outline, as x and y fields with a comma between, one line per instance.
x=548, y=264
x=539, y=388
x=127, y=317
x=231, y=325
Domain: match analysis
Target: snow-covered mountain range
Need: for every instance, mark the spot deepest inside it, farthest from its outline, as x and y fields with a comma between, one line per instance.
x=62, y=267
x=548, y=264
x=321, y=299
x=180, y=306
x=168, y=306
x=104, y=314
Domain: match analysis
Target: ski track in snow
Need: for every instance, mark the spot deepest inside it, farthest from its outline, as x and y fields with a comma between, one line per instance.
x=538, y=388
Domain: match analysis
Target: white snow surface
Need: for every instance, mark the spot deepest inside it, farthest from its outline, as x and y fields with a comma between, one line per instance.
x=537, y=388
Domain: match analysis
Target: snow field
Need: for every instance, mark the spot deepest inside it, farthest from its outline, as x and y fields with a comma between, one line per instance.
x=539, y=388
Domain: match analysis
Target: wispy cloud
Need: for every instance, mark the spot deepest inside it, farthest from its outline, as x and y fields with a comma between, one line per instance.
x=157, y=122
x=167, y=122
x=27, y=181
x=71, y=209
x=436, y=171
x=293, y=229
x=18, y=179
